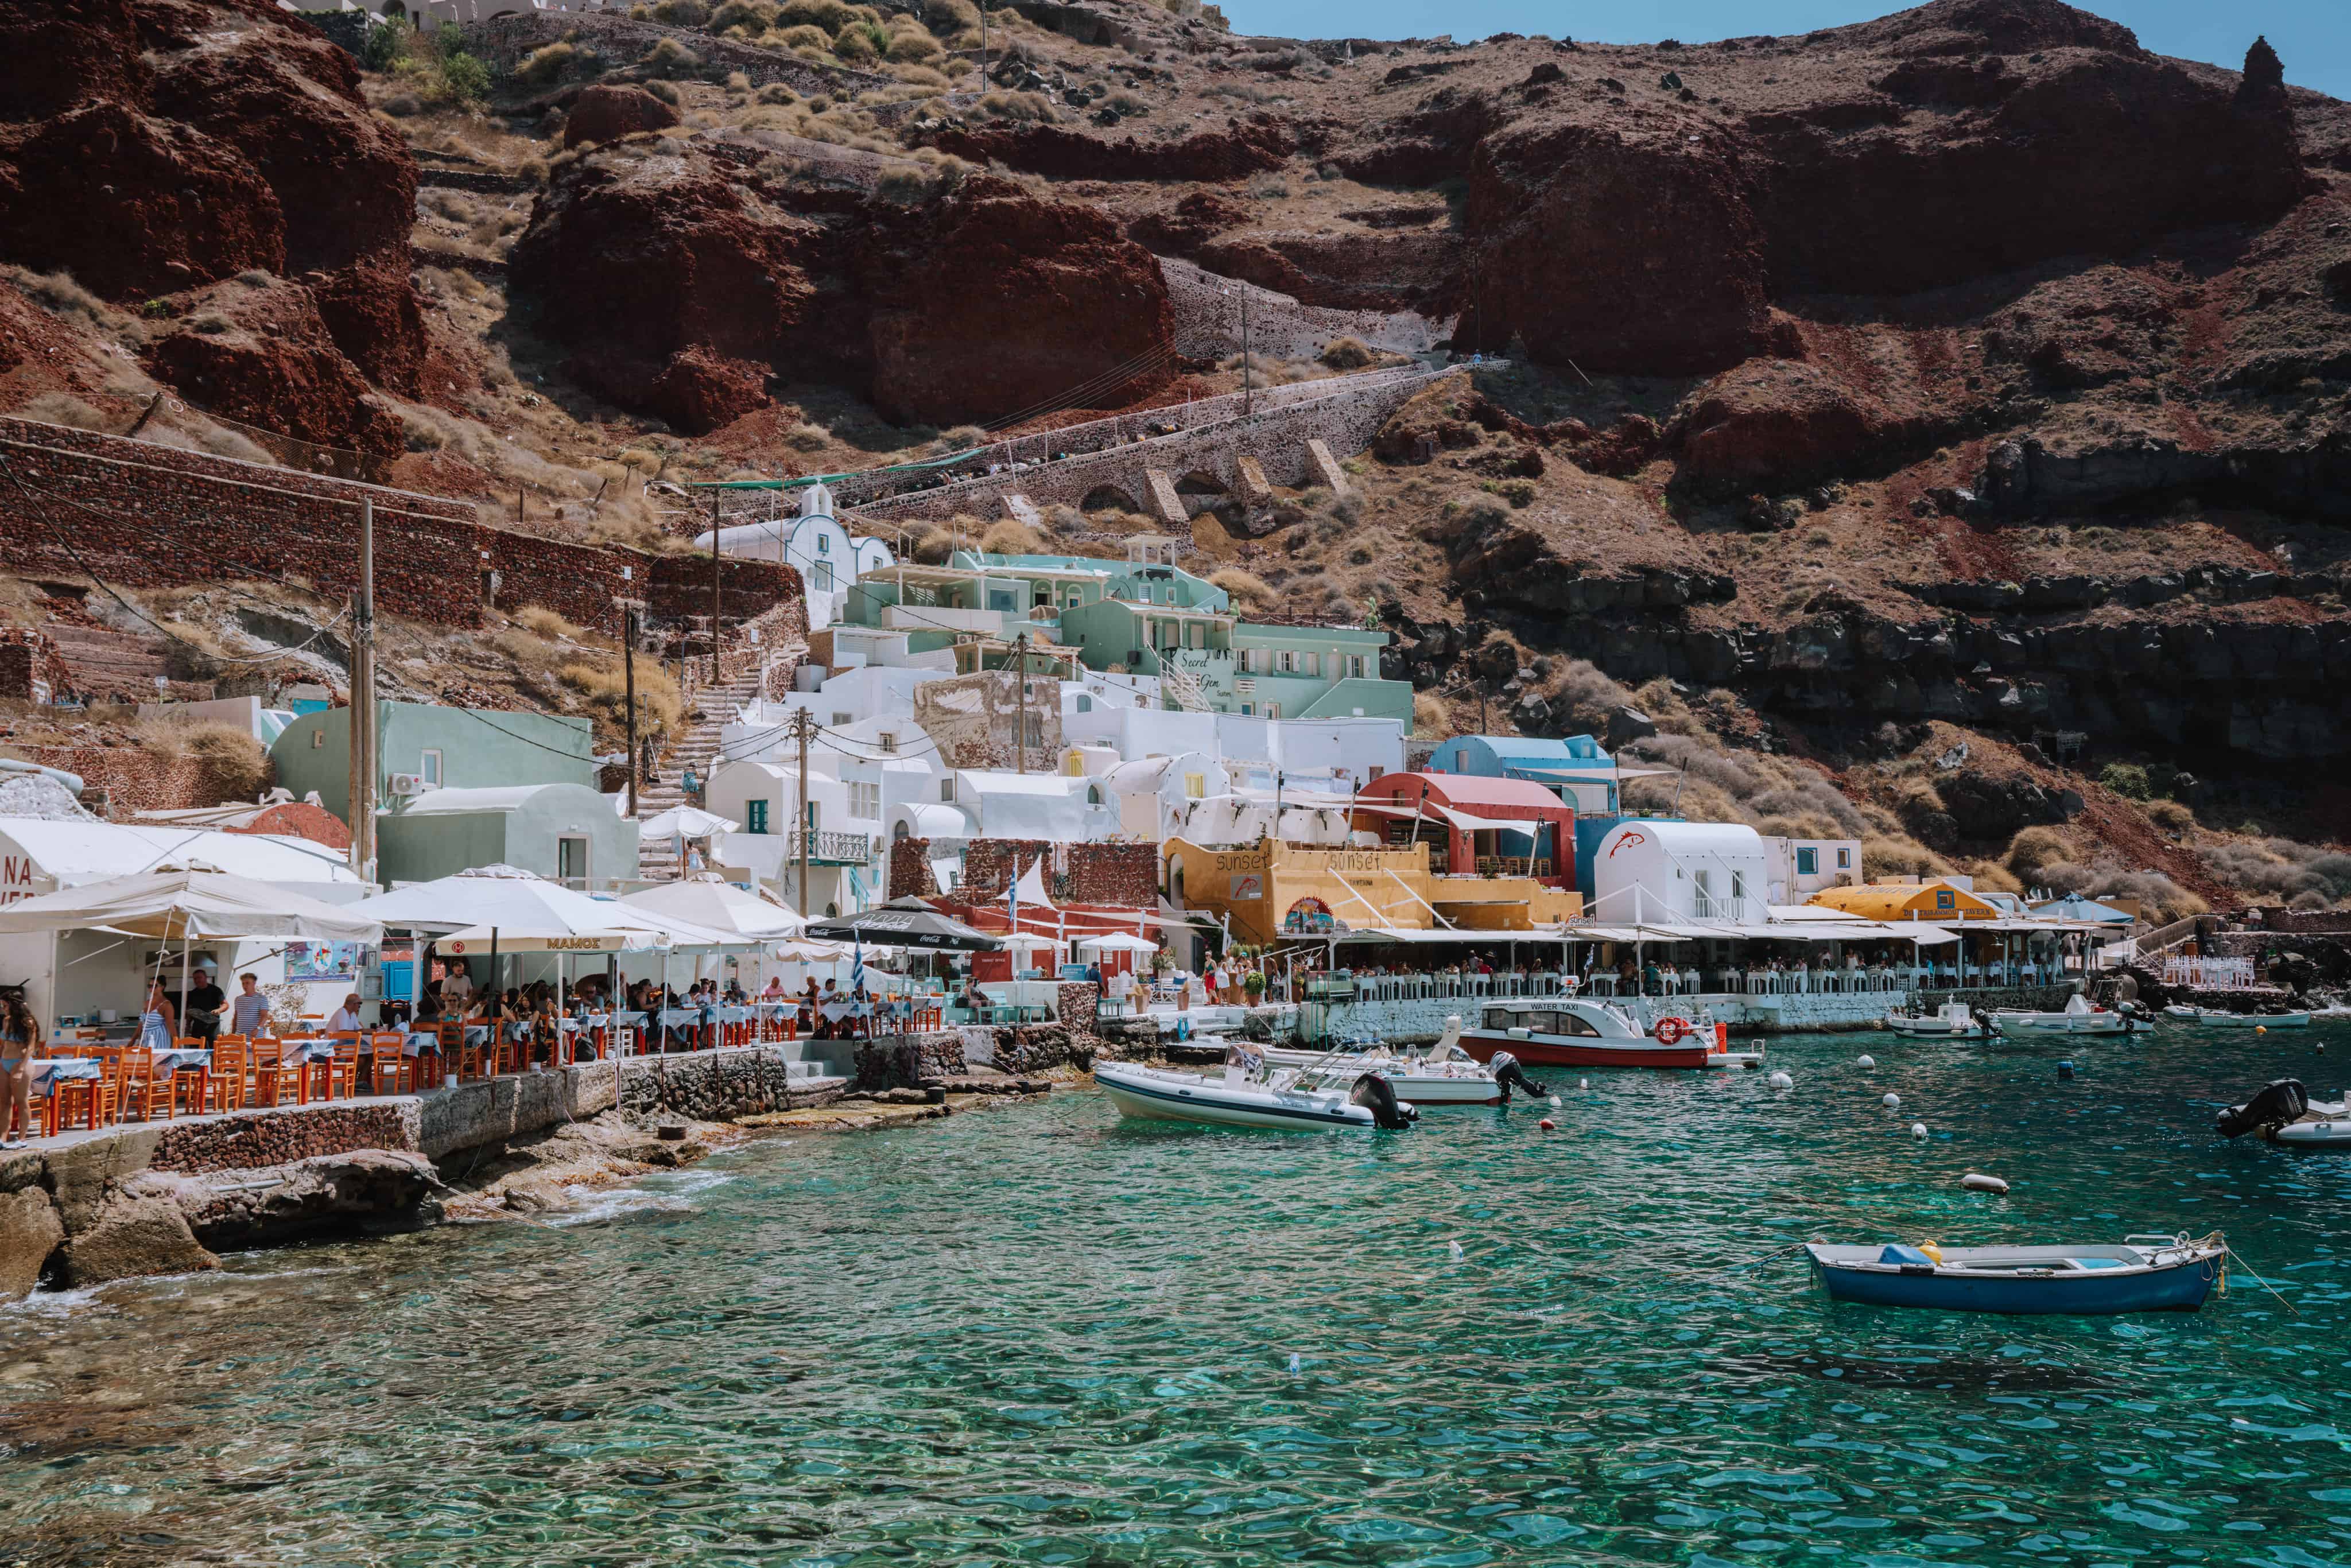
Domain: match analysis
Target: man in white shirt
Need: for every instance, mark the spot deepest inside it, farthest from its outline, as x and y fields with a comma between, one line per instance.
x=346, y=1017
x=249, y=1012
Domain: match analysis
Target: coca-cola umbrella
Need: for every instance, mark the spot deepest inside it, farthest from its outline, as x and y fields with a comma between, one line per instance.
x=905, y=923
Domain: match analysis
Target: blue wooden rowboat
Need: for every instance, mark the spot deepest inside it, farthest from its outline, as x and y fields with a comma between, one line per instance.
x=2140, y=1274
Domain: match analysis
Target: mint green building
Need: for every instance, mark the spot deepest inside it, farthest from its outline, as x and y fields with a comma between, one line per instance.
x=1144, y=616
x=440, y=747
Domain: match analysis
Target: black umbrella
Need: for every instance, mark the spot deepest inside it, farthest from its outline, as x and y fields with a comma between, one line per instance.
x=898, y=926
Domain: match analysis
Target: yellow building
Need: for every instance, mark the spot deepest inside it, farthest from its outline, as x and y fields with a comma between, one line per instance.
x=1269, y=891
x=1906, y=901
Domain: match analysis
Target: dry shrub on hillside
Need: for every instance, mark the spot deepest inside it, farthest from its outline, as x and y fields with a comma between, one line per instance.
x=2300, y=876
x=1009, y=536
x=540, y=622
x=1244, y=588
x=2034, y=848
x=603, y=692
x=1348, y=354
x=2172, y=817
x=1430, y=718
x=233, y=765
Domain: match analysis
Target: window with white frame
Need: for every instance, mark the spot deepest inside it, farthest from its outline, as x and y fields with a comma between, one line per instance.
x=1285, y=662
x=428, y=767
x=1738, y=893
x=839, y=718
x=1357, y=666
x=865, y=800
x=1313, y=664
x=887, y=742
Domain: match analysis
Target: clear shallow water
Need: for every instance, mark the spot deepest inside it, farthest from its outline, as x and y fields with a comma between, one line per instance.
x=1036, y=1335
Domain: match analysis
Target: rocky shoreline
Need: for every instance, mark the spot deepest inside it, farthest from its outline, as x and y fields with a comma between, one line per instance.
x=166, y=1198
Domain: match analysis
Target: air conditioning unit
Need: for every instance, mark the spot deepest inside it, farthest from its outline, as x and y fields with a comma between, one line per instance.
x=409, y=784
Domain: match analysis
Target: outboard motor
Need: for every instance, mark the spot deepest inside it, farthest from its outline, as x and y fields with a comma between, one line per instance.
x=2280, y=1101
x=1509, y=1074
x=1378, y=1095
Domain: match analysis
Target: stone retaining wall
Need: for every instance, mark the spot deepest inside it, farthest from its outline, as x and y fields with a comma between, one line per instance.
x=276, y=1138
x=720, y=1085
x=156, y=516
x=904, y=1060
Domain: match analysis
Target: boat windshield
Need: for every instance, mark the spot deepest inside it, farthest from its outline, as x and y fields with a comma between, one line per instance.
x=1551, y=1022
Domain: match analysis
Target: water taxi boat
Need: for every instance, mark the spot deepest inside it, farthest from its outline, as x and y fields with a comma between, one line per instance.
x=2140, y=1274
x=2219, y=1017
x=1249, y=1095
x=1581, y=1031
x=1952, y=1020
x=2079, y=1017
x=1438, y=1074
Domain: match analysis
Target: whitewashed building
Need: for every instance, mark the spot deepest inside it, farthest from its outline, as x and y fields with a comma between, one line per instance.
x=1655, y=869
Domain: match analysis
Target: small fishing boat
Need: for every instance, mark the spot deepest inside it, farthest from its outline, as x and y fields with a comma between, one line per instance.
x=2140, y=1274
x=1427, y=1076
x=1952, y=1020
x=1252, y=1094
x=2221, y=1018
x=2321, y=1126
x=2080, y=1017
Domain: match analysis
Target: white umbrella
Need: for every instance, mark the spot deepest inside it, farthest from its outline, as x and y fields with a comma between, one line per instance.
x=685, y=822
x=1119, y=942
x=191, y=903
x=505, y=898
x=805, y=952
x=711, y=902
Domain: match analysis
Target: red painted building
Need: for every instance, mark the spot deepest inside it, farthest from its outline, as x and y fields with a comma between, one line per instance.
x=1511, y=827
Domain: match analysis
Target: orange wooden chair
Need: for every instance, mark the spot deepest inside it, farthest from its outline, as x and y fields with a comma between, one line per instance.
x=90, y=1103
x=342, y=1068
x=390, y=1063
x=274, y=1076
x=188, y=1085
x=145, y=1088
x=223, y=1087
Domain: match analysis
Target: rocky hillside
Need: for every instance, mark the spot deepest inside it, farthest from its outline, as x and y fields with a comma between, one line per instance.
x=1971, y=382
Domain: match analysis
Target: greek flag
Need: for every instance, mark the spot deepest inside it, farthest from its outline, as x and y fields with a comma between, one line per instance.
x=857, y=968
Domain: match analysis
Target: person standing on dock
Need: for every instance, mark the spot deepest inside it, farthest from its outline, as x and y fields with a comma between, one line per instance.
x=18, y=1031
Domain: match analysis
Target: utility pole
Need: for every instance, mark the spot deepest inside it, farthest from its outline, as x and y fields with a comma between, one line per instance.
x=362, y=729
x=628, y=683
x=1020, y=685
x=1247, y=398
x=713, y=587
x=801, y=728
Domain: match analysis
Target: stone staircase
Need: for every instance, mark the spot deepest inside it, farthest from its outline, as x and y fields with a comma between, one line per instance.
x=717, y=705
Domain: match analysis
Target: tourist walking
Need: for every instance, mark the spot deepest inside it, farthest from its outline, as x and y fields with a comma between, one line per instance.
x=18, y=1030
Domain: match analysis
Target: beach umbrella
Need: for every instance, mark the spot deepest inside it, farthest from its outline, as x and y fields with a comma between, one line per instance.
x=191, y=903
x=905, y=924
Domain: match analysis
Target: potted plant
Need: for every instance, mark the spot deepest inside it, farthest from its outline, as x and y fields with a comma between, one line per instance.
x=1254, y=983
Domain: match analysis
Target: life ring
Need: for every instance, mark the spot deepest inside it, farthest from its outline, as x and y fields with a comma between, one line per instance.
x=1671, y=1030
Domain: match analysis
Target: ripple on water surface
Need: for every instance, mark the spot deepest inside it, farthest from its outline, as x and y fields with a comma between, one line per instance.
x=1036, y=1335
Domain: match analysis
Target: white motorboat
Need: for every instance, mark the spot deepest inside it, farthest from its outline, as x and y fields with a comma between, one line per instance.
x=2322, y=1126
x=1438, y=1074
x=1952, y=1020
x=1249, y=1095
x=2219, y=1017
x=1580, y=1031
x=2283, y=1113
x=2079, y=1017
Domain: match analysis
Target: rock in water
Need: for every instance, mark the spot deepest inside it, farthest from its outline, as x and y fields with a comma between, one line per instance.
x=134, y=1236
x=29, y=1231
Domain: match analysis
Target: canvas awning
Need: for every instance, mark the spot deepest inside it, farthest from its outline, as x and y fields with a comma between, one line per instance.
x=906, y=924
x=712, y=903
x=190, y=903
x=524, y=908
x=1468, y=821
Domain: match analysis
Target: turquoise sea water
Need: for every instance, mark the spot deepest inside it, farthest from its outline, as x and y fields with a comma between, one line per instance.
x=1033, y=1334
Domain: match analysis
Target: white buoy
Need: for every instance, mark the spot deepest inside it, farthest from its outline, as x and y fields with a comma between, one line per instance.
x=1917, y=1129
x=1866, y=1061
x=1781, y=1081
x=1583, y=1083
x=1554, y=1102
x=1293, y=1361
x=1453, y=1247
x=1975, y=1182
x=1892, y=1101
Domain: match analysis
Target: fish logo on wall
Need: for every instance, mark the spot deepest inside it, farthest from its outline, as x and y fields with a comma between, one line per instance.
x=1628, y=840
